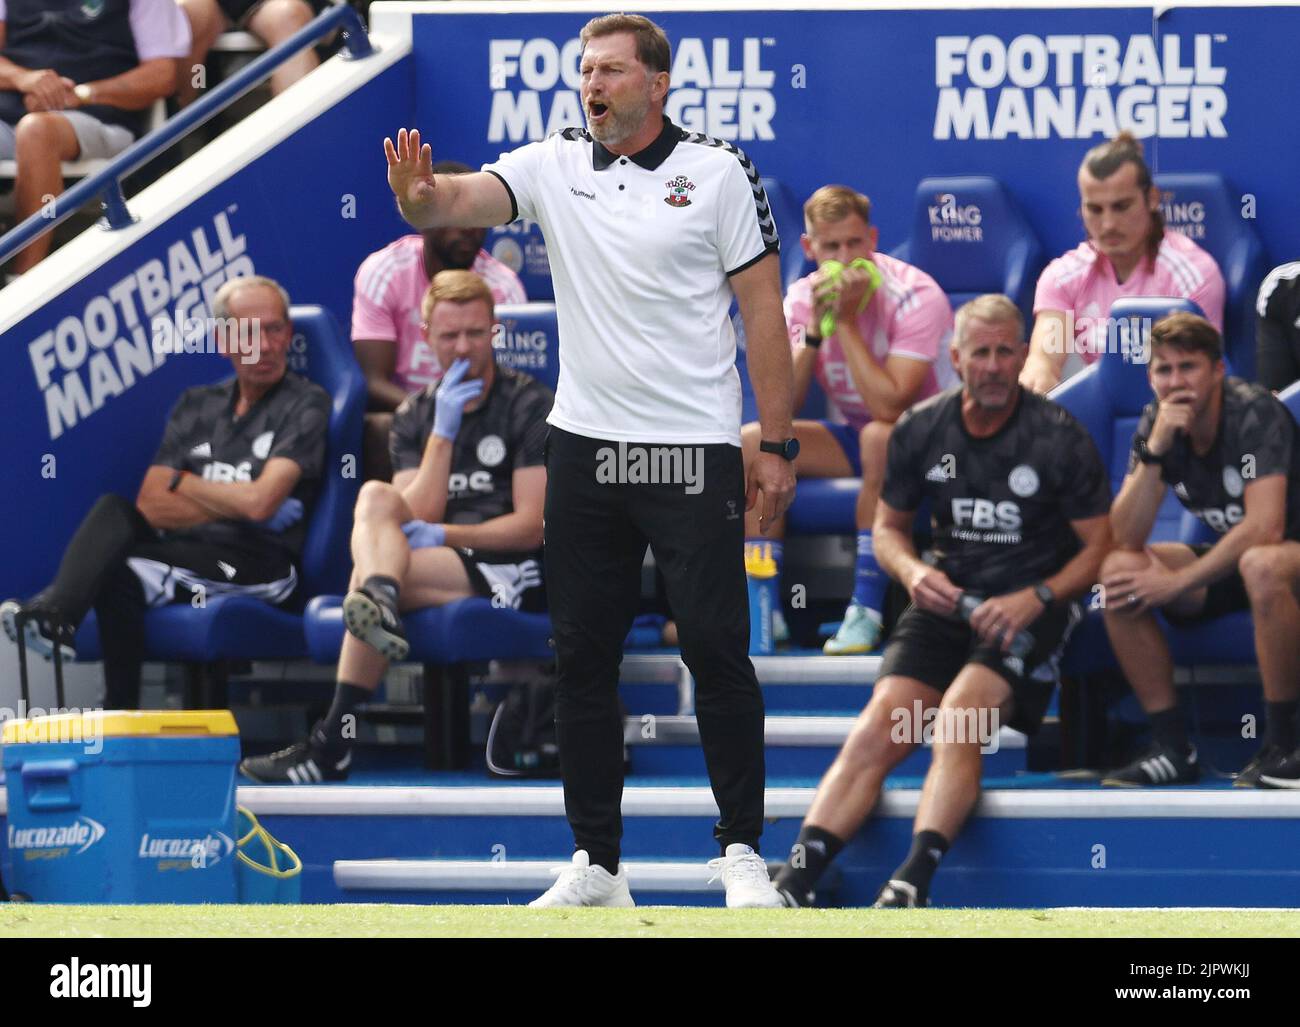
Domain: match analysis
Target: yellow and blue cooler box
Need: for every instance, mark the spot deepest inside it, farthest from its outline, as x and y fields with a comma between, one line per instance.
x=115, y=806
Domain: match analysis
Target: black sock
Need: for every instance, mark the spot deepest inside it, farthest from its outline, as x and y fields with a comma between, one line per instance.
x=810, y=855
x=607, y=858
x=383, y=588
x=1279, y=724
x=928, y=847
x=1170, y=728
x=347, y=698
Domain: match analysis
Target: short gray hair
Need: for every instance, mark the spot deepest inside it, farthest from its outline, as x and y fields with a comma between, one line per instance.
x=991, y=308
x=221, y=301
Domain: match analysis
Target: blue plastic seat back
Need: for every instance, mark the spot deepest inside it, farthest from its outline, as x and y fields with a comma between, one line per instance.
x=1205, y=207
x=326, y=357
x=970, y=236
x=529, y=340
x=522, y=248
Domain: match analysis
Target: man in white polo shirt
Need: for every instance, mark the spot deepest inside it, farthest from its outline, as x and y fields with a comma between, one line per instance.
x=650, y=231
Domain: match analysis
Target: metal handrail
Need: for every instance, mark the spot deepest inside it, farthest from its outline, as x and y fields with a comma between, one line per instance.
x=106, y=182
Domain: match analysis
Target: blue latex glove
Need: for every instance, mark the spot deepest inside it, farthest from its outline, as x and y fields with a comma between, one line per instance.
x=289, y=514
x=453, y=394
x=423, y=535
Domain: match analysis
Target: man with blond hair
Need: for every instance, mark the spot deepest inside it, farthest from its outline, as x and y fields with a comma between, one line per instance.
x=883, y=353
x=1020, y=528
x=462, y=517
x=651, y=231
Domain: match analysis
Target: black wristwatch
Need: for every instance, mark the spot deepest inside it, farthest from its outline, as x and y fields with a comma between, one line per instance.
x=812, y=341
x=789, y=449
x=174, y=484
x=1145, y=455
x=1045, y=595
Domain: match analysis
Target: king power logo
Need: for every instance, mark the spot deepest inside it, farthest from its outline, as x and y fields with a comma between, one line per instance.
x=720, y=87
x=1078, y=87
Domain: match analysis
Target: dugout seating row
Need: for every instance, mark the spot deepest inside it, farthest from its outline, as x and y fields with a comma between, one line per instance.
x=971, y=236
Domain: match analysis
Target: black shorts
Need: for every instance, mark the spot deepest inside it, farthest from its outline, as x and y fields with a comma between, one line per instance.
x=177, y=567
x=1227, y=595
x=512, y=580
x=933, y=650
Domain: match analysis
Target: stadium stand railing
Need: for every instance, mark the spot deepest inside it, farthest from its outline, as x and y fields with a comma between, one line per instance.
x=106, y=182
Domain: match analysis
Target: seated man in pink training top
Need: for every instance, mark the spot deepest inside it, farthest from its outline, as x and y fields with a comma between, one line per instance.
x=878, y=360
x=1128, y=252
x=387, y=332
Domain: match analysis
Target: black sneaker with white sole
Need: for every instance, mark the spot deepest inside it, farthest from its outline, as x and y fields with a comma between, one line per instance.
x=1263, y=762
x=371, y=619
x=794, y=898
x=1285, y=773
x=899, y=895
x=1159, y=765
x=307, y=763
x=43, y=628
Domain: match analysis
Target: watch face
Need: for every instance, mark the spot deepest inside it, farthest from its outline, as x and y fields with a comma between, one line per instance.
x=791, y=449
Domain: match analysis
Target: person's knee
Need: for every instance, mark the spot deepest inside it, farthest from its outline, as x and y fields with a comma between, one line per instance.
x=1263, y=573
x=378, y=501
x=1121, y=561
x=276, y=20
x=43, y=138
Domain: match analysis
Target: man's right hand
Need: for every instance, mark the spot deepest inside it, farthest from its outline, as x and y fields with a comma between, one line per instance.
x=46, y=90
x=410, y=177
x=1173, y=415
x=451, y=398
x=932, y=591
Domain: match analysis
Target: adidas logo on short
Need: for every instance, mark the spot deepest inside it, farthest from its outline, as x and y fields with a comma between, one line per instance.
x=936, y=473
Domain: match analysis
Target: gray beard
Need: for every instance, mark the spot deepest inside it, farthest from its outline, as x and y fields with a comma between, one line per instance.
x=623, y=126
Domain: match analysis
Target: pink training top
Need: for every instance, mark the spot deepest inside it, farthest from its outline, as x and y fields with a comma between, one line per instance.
x=387, y=292
x=1082, y=282
x=909, y=316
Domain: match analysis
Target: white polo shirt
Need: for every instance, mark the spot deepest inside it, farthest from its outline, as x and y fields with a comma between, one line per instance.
x=641, y=248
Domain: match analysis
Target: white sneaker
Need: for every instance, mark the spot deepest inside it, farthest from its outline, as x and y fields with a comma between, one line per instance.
x=744, y=875
x=582, y=884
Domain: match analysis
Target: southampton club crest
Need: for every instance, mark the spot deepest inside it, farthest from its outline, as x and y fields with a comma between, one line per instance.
x=679, y=192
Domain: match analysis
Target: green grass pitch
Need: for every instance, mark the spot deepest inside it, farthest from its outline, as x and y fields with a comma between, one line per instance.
x=23, y=920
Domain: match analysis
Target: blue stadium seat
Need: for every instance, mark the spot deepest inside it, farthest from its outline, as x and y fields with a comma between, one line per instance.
x=529, y=340
x=1206, y=208
x=1108, y=398
x=824, y=506
x=969, y=235
x=789, y=226
x=460, y=632
x=522, y=248
x=243, y=628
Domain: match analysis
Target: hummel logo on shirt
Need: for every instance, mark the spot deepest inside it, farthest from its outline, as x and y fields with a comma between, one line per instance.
x=936, y=473
x=202, y=450
x=226, y=569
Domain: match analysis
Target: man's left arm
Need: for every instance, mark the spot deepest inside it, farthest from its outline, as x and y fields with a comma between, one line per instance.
x=137, y=89
x=244, y=500
x=1005, y=615
x=518, y=531
x=758, y=293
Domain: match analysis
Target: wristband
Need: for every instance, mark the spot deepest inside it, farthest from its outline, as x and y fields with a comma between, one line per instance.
x=175, y=483
x=811, y=341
